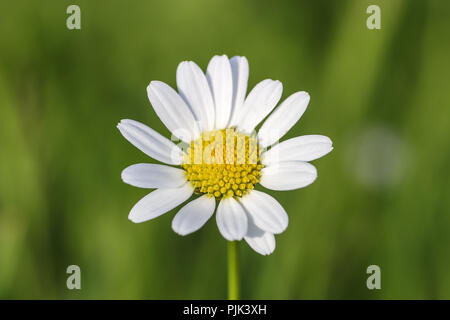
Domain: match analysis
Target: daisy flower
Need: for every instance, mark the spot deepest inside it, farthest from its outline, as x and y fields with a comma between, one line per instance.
x=219, y=155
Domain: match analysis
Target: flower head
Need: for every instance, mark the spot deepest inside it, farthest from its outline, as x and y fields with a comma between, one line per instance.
x=221, y=158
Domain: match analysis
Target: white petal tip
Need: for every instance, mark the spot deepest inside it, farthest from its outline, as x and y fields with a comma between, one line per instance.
x=219, y=56
x=281, y=230
x=264, y=245
x=133, y=219
x=233, y=238
x=193, y=215
x=153, y=83
x=121, y=126
x=180, y=233
x=179, y=230
x=305, y=95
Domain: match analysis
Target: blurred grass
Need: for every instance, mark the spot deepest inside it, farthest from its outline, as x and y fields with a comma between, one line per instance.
x=62, y=201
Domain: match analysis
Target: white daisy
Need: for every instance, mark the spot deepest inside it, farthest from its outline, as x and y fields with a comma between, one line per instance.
x=222, y=158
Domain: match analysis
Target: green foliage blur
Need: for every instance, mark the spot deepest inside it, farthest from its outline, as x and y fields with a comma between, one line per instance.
x=382, y=195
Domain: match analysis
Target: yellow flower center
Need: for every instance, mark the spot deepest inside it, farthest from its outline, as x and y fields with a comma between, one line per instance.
x=223, y=163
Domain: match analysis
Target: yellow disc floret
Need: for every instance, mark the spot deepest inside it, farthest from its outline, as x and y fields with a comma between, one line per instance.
x=223, y=163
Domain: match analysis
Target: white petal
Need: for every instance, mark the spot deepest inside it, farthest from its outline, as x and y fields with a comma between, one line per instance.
x=193, y=215
x=259, y=103
x=303, y=148
x=173, y=111
x=149, y=175
x=158, y=202
x=288, y=175
x=283, y=118
x=150, y=142
x=231, y=219
x=194, y=89
x=239, y=70
x=221, y=83
x=265, y=211
x=261, y=241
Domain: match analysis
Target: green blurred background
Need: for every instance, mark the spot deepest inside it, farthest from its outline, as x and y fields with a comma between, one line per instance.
x=382, y=195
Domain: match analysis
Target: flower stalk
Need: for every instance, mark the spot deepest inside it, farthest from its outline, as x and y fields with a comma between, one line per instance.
x=233, y=270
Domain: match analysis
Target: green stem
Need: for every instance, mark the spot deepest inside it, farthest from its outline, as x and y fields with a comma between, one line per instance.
x=233, y=270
